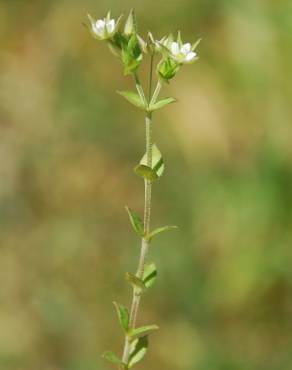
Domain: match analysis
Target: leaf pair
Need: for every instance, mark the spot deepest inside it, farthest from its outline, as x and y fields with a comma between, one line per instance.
x=123, y=316
x=157, y=165
x=139, y=228
x=135, y=99
x=138, y=349
x=149, y=277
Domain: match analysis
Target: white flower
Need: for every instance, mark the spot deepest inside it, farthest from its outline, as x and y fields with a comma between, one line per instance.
x=105, y=28
x=182, y=53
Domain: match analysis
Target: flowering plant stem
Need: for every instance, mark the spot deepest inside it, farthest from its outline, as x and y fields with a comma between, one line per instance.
x=147, y=215
x=130, y=48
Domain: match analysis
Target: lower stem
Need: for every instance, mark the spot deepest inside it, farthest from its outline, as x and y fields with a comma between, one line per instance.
x=144, y=243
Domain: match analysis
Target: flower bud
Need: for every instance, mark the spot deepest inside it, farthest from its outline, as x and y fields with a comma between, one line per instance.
x=167, y=69
x=131, y=24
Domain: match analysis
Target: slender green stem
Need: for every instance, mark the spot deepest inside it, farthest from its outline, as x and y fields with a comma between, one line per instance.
x=150, y=77
x=139, y=89
x=144, y=243
x=156, y=92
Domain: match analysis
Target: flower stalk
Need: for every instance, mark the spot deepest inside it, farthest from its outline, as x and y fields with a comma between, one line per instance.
x=130, y=48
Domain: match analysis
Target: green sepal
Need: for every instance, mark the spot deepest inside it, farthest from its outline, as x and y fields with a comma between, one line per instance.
x=123, y=315
x=150, y=275
x=157, y=160
x=161, y=103
x=137, y=332
x=138, y=349
x=111, y=357
x=194, y=46
x=159, y=230
x=131, y=24
x=133, y=98
x=136, y=222
x=108, y=16
x=142, y=44
x=146, y=172
x=179, y=39
x=137, y=283
x=151, y=44
x=119, y=40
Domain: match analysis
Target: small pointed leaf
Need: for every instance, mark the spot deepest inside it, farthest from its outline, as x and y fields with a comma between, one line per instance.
x=111, y=357
x=160, y=230
x=161, y=103
x=146, y=172
x=157, y=161
x=150, y=275
x=123, y=316
x=135, y=281
x=133, y=98
x=138, y=350
x=141, y=331
x=136, y=222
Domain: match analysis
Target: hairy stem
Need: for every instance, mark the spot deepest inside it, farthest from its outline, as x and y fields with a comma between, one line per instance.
x=144, y=243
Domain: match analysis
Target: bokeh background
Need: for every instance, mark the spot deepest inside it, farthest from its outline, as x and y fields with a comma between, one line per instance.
x=68, y=143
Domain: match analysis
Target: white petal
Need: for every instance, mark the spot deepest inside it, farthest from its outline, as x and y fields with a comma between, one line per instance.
x=98, y=30
x=190, y=56
x=174, y=48
x=100, y=23
x=186, y=48
x=110, y=26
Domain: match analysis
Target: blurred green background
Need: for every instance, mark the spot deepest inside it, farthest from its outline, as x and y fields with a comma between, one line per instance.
x=68, y=143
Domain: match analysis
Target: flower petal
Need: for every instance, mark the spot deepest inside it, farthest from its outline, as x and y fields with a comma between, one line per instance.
x=186, y=48
x=99, y=31
x=190, y=56
x=110, y=25
x=174, y=48
x=100, y=23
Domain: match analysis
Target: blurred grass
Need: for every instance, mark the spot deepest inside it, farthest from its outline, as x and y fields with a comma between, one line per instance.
x=68, y=143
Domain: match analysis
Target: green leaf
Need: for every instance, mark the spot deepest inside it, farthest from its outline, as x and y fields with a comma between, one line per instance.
x=131, y=24
x=133, y=98
x=135, y=281
x=146, y=172
x=142, y=330
x=138, y=349
x=150, y=275
x=123, y=316
x=160, y=230
x=136, y=222
x=157, y=161
x=111, y=357
x=161, y=103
